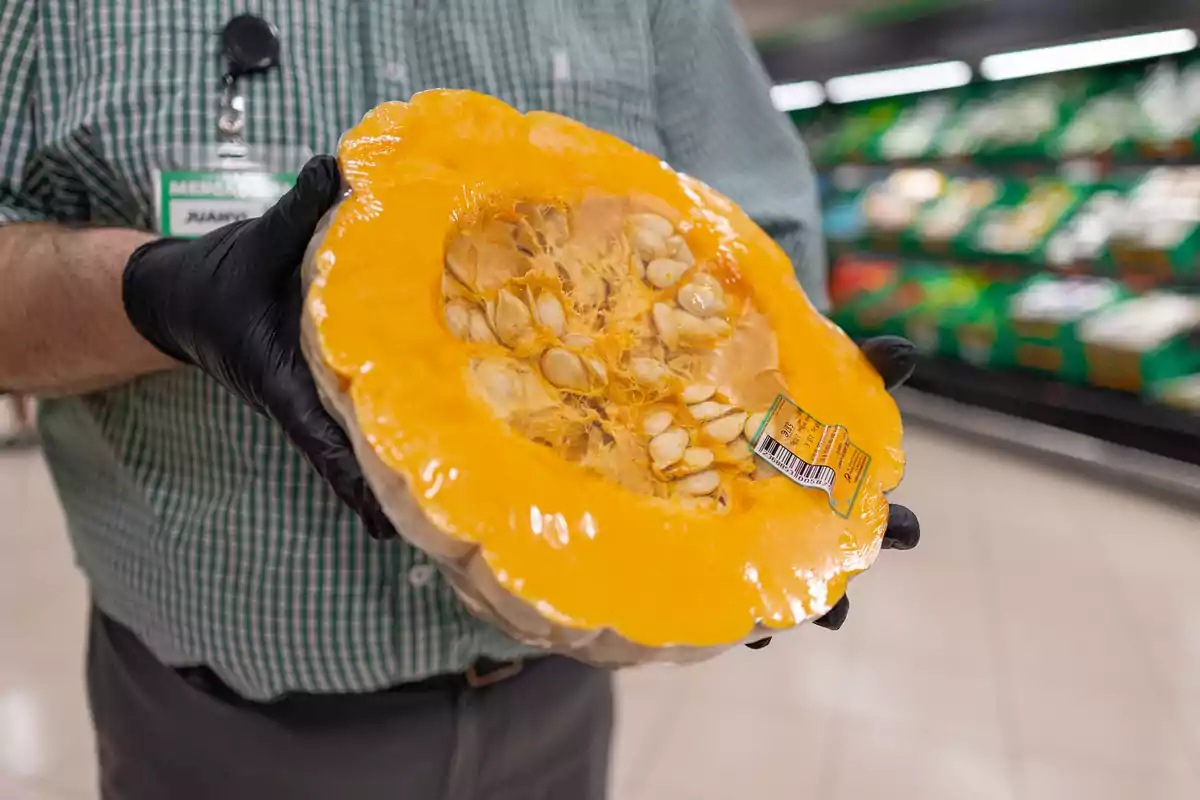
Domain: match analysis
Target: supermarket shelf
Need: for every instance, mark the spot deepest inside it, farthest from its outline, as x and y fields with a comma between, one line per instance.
x=987, y=164
x=1129, y=467
x=1135, y=281
x=1100, y=415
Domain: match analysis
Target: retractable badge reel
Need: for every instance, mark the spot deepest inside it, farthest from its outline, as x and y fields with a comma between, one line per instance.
x=234, y=179
x=250, y=45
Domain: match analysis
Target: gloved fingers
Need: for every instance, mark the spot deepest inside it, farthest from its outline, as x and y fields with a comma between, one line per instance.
x=833, y=620
x=836, y=616
x=893, y=357
x=289, y=224
x=328, y=449
x=310, y=428
x=903, y=530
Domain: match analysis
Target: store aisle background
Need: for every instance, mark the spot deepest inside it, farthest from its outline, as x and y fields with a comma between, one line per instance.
x=1043, y=643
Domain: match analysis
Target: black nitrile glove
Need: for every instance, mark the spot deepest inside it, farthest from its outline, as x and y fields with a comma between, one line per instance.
x=894, y=359
x=230, y=302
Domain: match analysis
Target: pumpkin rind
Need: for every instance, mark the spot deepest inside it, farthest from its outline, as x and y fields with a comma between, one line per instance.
x=550, y=551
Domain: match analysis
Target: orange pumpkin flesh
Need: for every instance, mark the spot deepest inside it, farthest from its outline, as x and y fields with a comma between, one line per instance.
x=431, y=316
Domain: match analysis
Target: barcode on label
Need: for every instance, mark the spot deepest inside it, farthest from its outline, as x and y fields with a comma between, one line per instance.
x=816, y=476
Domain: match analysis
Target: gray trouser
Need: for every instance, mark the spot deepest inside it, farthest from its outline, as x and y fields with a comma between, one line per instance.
x=541, y=735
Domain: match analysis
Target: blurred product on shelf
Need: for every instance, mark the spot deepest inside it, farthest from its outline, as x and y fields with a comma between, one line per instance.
x=1169, y=101
x=958, y=207
x=1142, y=342
x=916, y=128
x=1101, y=125
x=892, y=205
x=1084, y=238
x=1021, y=226
x=1046, y=314
x=1158, y=229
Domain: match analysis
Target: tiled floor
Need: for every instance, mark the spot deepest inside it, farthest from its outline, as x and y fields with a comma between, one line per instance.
x=1042, y=644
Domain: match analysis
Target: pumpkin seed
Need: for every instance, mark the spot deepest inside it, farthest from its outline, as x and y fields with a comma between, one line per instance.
x=637, y=267
x=663, y=273
x=738, y=450
x=679, y=250
x=698, y=393
x=692, y=327
x=709, y=410
x=550, y=313
x=701, y=483
x=553, y=225
x=579, y=340
x=717, y=328
x=656, y=422
x=598, y=370
x=726, y=429
x=458, y=318
x=513, y=320
x=564, y=369
x=647, y=371
x=451, y=288
x=700, y=300
x=478, y=330
x=668, y=447
x=461, y=258
x=697, y=458
x=753, y=423
x=647, y=244
x=710, y=282
x=654, y=223
x=667, y=323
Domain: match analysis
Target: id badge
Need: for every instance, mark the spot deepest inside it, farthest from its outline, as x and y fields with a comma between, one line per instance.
x=207, y=188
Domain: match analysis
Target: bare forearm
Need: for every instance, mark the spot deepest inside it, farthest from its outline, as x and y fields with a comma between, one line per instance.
x=63, y=328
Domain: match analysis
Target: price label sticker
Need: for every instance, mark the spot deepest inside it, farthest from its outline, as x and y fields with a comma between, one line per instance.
x=813, y=455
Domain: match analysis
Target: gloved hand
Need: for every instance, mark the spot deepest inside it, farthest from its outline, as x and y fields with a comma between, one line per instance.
x=230, y=302
x=894, y=359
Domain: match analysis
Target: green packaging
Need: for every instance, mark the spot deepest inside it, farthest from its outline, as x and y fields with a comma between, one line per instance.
x=1017, y=228
x=1142, y=342
x=1159, y=234
x=1045, y=315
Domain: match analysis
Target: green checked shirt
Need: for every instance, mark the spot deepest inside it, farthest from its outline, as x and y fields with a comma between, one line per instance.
x=197, y=524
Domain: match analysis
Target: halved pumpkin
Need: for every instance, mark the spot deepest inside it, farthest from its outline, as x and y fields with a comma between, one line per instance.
x=555, y=355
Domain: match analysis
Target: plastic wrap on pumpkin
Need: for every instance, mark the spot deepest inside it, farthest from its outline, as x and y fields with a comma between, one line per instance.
x=591, y=387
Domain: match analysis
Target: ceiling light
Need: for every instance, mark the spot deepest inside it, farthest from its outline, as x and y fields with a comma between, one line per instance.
x=892, y=82
x=795, y=96
x=1042, y=60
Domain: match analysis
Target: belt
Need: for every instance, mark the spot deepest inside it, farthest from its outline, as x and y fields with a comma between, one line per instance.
x=483, y=673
